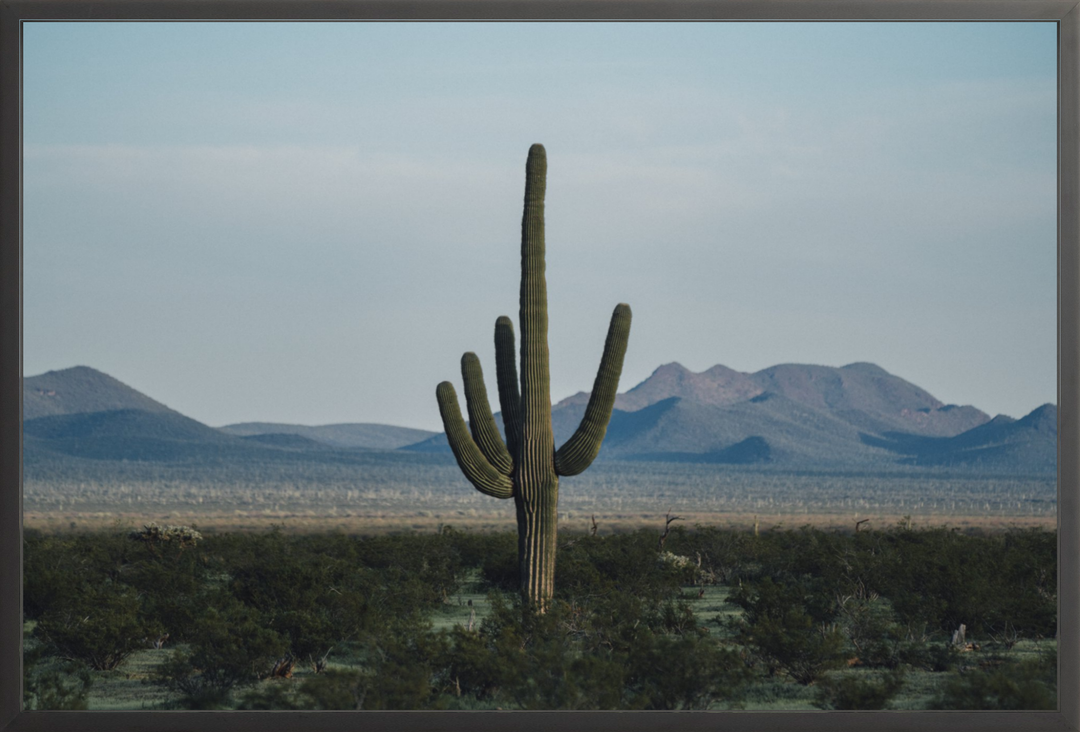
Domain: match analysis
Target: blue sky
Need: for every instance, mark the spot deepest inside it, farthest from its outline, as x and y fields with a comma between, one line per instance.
x=311, y=222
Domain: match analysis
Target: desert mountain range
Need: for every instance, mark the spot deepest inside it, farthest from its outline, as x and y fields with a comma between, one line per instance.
x=790, y=415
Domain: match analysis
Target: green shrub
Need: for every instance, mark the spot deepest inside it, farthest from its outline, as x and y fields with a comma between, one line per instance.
x=228, y=646
x=52, y=570
x=63, y=685
x=1029, y=684
x=336, y=690
x=850, y=691
x=165, y=538
x=605, y=651
x=779, y=629
x=499, y=567
x=685, y=671
x=279, y=694
x=620, y=633
x=98, y=625
x=403, y=672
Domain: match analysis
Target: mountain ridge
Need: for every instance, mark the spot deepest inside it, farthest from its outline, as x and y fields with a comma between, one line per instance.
x=888, y=401
x=789, y=414
x=793, y=415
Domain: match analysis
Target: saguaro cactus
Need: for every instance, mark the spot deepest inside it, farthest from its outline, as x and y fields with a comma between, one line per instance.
x=527, y=466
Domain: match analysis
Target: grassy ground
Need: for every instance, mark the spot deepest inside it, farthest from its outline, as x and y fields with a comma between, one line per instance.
x=469, y=605
x=128, y=686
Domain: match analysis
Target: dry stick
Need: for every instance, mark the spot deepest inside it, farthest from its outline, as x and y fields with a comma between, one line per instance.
x=283, y=667
x=668, y=519
x=319, y=665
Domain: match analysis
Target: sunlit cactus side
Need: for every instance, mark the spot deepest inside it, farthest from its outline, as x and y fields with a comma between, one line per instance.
x=527, y=466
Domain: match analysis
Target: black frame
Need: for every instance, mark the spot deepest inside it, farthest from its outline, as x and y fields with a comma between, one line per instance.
x=1065, y=13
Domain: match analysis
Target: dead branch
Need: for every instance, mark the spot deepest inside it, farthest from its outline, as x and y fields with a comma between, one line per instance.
x=318, y=665
x=668, y=520
x=283, y=667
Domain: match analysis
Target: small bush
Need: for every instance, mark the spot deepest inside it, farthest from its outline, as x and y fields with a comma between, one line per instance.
x=100, y=626
x=229, y=646
x=336, y=690
x=686, y=671
x=849, y=691
x=781, y=632
x=63, y=686
x=1030, y=684
x=333, y=690
x=155, y=537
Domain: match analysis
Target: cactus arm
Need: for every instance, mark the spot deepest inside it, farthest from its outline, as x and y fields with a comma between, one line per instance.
x=485, y=477
x=481, y=421
x=506, y=373
x=537, y=442
x=582, y=448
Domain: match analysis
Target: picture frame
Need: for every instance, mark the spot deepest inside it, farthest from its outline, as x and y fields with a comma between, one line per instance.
x=1066, y=13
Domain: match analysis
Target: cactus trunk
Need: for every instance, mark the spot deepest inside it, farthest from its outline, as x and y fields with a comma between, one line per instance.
x=536, y=494
x=537, y=517
x=528, y=466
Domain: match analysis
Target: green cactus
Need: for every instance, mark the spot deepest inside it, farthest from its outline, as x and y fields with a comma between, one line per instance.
x=527, y=467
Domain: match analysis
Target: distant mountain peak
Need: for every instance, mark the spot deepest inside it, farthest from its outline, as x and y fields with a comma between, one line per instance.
x=866, y=367
x=77, y=370
x=719, y=370
x=1041, y=419
x=81, y=390
x=717, y=386
x=671, y=369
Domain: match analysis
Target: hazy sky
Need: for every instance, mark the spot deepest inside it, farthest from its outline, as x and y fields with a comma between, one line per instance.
x=312, y=222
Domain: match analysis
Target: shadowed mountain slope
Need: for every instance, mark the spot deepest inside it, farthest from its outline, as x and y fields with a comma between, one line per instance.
x=132, y=434
x=137, y=435
x=1028, y=444
x=363, y=435
x=768, y=427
